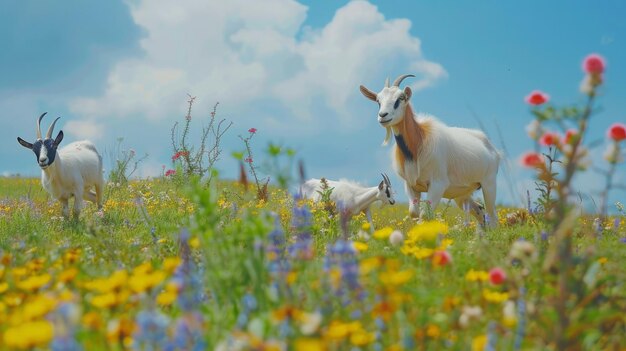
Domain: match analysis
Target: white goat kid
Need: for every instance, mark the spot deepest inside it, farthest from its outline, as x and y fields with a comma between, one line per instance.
x=431, y=157
x=69, y=172
x=350, y=197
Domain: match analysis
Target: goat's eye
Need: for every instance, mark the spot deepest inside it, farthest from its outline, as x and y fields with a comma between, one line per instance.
x=397, y=103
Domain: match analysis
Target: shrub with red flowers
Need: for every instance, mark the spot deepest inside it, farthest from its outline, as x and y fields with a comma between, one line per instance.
x=556, y=160
x=198, y=160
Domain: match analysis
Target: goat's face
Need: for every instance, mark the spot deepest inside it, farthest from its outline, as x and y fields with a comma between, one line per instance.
x=45, y=149
x=392, y=101
x=385, y=193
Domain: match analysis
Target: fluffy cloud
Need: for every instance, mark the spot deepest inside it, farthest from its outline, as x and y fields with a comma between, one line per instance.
x=83, y=130
x=259, y=61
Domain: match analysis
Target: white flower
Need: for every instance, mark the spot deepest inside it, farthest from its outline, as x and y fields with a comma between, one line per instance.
x=534, y=130
x=612, y=154
x=396, y=238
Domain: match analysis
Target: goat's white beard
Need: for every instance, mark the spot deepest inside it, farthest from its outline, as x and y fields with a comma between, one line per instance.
x=387, y=136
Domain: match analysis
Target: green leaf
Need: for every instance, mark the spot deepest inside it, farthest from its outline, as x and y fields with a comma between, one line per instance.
x=237, y=155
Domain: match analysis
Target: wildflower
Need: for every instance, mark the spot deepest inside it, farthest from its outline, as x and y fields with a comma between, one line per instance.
x=170, y=172
x=396, y=278
x=532, y=160
x=479, y=343
x=594, y=64
x=252, y=130
x=497, y=276
x=29, y=335
x=179, y=154
x=522, y=250
x=359, y=246
x=396, y=238
x=383, y=233
x=549, y=139
x=441, y=258
x=616, y=132
x=248, y=160
x=509, y=314
x=469, y=314
x=476, y=276
x=34, y=282
x=310, y=322
x=151, y=331
x=612, y=154
x=495, y=296
x=427, y=232
x=534, y=129
x=571, y=137
x=65, y=323
x=537, y=98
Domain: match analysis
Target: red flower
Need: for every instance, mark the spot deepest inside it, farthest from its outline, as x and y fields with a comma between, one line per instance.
x=249, y=160
x=252, y=130
x=532, y=160
x=497, y=276
x=441, y=258
x=179, y=154
x=594, y=64
x=570, y=136
x=549, y=139
x=537, y=98
x=170, y=172
x=617, y=132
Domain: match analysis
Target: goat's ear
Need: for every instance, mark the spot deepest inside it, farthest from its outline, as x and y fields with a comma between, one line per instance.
x=24, y=143
x=381, y=185
x=59, y=138
x=408, y=92
x=367, y=93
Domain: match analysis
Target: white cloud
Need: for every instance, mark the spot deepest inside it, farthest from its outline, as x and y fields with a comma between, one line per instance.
x=84, y=130
x=245, y=54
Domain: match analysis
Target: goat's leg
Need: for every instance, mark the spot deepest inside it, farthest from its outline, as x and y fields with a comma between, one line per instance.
x=65, y=207
x=467, y=204
x=78, y=202
x=99, y=189
x=89, y=195
x=414, y=200
x=489, y=195
x=435, y=193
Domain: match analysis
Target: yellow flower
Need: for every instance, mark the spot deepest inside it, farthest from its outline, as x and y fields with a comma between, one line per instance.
x=427, y=231
x=171, y=263
x=479, y=343
x=396, y=278
x=603, y=260
x=143, y=282
x=105, y=300
x=4, y=287
x=29, y=335
x=366, y=226
x=68, y=275
x=34, y=282
x=474, y=276
x=38, y=308
x=383, y=233
x=494, y=296
x=360, y=246
x=369, y=264
x=194, y=242
x=362, y=338
x=309, y=344
x=433, y=331
x=92, y=320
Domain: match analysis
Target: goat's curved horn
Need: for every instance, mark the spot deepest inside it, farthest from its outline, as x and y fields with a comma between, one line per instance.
x=51, y=129
x=396, y=83
x=387, y=82
x=386, y=178
x=39, y=125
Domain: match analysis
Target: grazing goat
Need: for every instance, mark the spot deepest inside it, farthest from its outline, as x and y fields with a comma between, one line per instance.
x=351, y=197
x=431, y=157
x=70, y=171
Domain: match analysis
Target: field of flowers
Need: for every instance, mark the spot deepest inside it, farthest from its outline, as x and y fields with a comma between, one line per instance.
x=178, y=263
x=178, y=268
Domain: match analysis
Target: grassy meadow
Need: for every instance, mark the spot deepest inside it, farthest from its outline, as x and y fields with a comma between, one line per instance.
x=173, y=266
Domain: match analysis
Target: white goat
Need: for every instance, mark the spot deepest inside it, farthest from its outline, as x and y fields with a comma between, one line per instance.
x=351, y=197
x=434, y=158
x=69, y=172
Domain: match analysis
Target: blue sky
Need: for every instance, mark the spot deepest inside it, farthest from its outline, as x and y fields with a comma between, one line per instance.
x=292, y=69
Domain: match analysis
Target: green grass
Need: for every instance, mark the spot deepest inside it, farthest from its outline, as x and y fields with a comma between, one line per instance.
x=230, y=261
